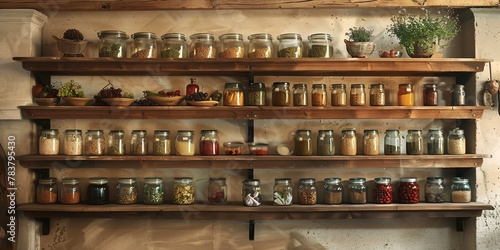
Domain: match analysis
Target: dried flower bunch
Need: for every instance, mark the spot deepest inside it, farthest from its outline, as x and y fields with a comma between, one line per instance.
x=359, y=34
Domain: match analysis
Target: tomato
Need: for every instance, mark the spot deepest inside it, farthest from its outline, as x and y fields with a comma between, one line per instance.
x=35, y=90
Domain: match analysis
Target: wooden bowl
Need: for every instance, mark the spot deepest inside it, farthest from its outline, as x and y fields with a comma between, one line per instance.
x=47, y=101
x=166, y=100
x=76, y=101
x=119, y=101
x=203, y=103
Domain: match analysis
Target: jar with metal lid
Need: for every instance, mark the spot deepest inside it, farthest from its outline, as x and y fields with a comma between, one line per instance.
x=371, y=145
x=73, y=142
x=144, y=45
x=348, y=144
x=456, y=142
x=70, y=191
x=460, y=190
x=406, y=96
x=318, y=95
x=260, y=46
x=139, y=142
x=434, y=190
x=357, y=96
x=325, y=142
x=290, y=45
x=46, y=191
x=307, y=191
x=184, y=144
x=408, y=190
x=377, y=95
x=202, y=46
x=300, y=95
x=281, y=94
x=458, y=95
x=414, y=142
x=338, y=94
x=48, y=143
x=217, y=191
x=382, y=191
x=209, y=142
x=333, y=191
x=435, y=142
x=232, y=46
x=303, y=142
x=430, y=94
x=153, y=191
x=98, y=191
x=116, y=142
x=256, y=94
x=161, y=142
x=126, y=191
x=251, y=193
x=94, y=142
x=184, y=191
x=357, y=190
x=174, y=46
x=282, y=195
x=320, y=45
x=113, y=43
x=392, y=142
x=233, y=95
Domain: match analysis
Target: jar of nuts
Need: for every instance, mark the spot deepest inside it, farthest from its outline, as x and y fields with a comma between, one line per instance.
x=338, y=94
x=232, y=46
x=126, y=191
x=144, y=45
x=94, y=142
x=174, y=46
x=434, y=190
x=260, y=46
x=357, y=190
x=202, y=46
x=382, y=191
x=46, y=191
x=233, y=95
x=307, y=191
x=290, y=45
x=409, y=190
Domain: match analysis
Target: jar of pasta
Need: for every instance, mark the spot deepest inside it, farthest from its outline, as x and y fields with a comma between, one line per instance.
x=174, y=46
x=281, y=94
x=348, y=143
x=48, y=143
x=202, y=46
x=260, y=46
x=232, y=46
x=318, y=95
x=300, y=95
x=144, y=45
x=233, y=95
x=320, y=45
x=113, y=43
x=139, y=142
x=357, y=96
x=73, y=142
x=184, y=191
x=290, y=45
x=338, y=94
x=184, y=144
x=94, y=142
x=406, y=97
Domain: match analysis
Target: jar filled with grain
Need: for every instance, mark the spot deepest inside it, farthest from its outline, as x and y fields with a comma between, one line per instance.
x=46, y=191
x=414, y=142
x=307, y=191
x=282, y=195
x=256, y=94
x=325, y=142
x=98, y=191
x=144, y=45
x=209, y=142
x=318, y=95
x=338, y=94
x=126, y=191
x=333, y=191
x=217, y=191
x=113, y=43
x=357, y=191
x=94, y=142
x=377, y=94
x=281, y=94
x=70, y=191
x=202, y=46
x=406, y=96
x=348, y=144
x=48, y=143
x=260, y=46
x=458, y=95
x=382, y=191
x=358, y=95
x=320, y=45
x=174, y=46
x=184, y=144
x=408, y=190
x=435, y=142
x=303, y=142
x=456, y=142
x=300, y=95
x=371, y=142
x=460, y=190
x=290, y=45
x=153, y=191
x=231, y=46
x=233, y=95
x=392, y=142
x=184, y=191
x=116, y=142
x=434, y=190
x=162, y=144
x=430, y=94
x=73, y=142
x=251, y=193
x=139, y=142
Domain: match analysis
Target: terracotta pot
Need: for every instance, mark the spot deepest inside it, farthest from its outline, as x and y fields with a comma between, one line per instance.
x=359, y=49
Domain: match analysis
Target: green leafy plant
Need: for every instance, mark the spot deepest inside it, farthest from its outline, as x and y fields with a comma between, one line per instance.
x=359, y=34
x=71, y=89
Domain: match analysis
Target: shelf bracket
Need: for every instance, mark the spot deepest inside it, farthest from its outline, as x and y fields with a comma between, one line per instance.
x=45, y=225
x=251, y=230
x=461, y=223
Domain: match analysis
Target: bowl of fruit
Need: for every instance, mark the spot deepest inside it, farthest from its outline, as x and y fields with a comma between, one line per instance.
x=203, y=99
x=45, y=95
x=111, y=96
x=233, y=148
x=258, y=148
x=390, y=54
x=164, y=98
x=72, y=94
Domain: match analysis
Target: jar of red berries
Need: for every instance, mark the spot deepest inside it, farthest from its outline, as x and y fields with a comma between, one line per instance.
x=217, y=191
x=409, y=191
x=382, y=192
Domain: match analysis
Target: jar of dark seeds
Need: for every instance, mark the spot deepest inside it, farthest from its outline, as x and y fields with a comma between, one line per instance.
x=174, y=46
x=357, y=96
x=116, y=142
x=392, y=142
x=435, y=142
x=256, y=94
x=325, y=142
x=98, y=191
x=307, y=191
x=281, y=94
x=333, y=191
x=126, y=191
x=434, y=190
x=303, y=142
x=290, y=45
x=162, y=145
x=300, y=95
x=320, y=45
x=414, y=142
x=139, y=142
x=144, y=45
x=357, y=191
x=153, y=191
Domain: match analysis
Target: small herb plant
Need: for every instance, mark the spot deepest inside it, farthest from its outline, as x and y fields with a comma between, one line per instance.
x=359, y=34
x=71, y=89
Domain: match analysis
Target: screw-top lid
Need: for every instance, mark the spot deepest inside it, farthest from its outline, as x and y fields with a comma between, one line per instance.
x=231, y=36
x=70, y=181
x=173, y=36
x=153, y=180
x=435, y=179
x=320, y=36
x=286, y=36
x=357, y=180
x=408, y=179
x=460, y=180
x=147, y=35
x=98, y=180
x=206, y=36
x=382, y=180
x=48, y=181
x=115, y=33
x=262, y=36
x=333, y=180
x=252, y=182
x=127, y=180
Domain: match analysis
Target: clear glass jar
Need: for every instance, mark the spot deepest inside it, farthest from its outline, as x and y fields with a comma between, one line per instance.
x=184, y=191
x=414, y=142
x=348, y=144
x=174, y=46
x=281, y=94
x=382, y=191
x=456, y=142
x=358, y=95
x=300, y=95
x=209, y=142
x=48, y=143
x=325, y=142
x=430, y=94
x=408, y=191
x=371, y=145
x=233, y=95
x=202, y=46
x=377, y=94
x=251, y=193
x=217, y=191
x=307, y=191
x=184, y=144
x=161, y=142
x=282, y=195
x=303, y=142
x=70, y=191
x=406, y=96
x=256, y=94
x=94, y=142
x=320, y=45
x=434, y=190
x=116, y=142
x=73, y=142
x=290, y=45
x=392, y=142
x=435, y=142
x=333, y=191
x=318, y=95
x=144, y=45
x=46, y=191
x=98, y=191
x=460, y=190
x=113, y=43
x=126, y=191
x=153, y=191
x=458, y=95
x=232, y=46
x=357, y=190
x=260, y=46
x=338, y=94
x=139, y=142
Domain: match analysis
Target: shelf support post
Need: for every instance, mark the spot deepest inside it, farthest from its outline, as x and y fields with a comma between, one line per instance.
x=45, y=225
x=251, y=230
x=461, y=223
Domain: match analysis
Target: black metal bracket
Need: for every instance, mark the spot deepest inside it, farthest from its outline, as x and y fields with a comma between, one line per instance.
x=45, y=225
x=42, y=123
x=461, y=223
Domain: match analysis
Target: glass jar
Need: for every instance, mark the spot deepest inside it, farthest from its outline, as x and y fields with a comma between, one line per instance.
x=126, y=191
x=307, y=191
x=260, y=46
x=251, y=193
x=48, y=143
x=320, y=45
x=282, y=195
x=348, y=145
x=116, y=142
x=414, y=142
x=153, y=191
x=232, y=46
x=434, y=190
x=209, y=142
x=371, y=142
x=73, y=142
x=98, y=191
x=377, y=95
x=46, y=191
x=113, y=43
x=357, y=96
x=290, y=45
x=202, y=46
x=435, y=142
x=392, y=142
x=338, y=94
x=458, y=95
x=161, y=142
x=300, y=95
x=256, y=94
x=70, y=191
x=144, y=45
x=174, y=46
x=357, y=191
x=281, y=94
x=382, y=191
x=217, y=191
x=184, y=144
x=333, y=191
x=94, y=142
x=233, y=95
x=318, y=95
x=456, y=142
x=325, y=142
x=303, y=142
x=406, y=97
x=184, y=191
x=139, y=142
x=408, y=191
x=460, y=190
x=430, y=94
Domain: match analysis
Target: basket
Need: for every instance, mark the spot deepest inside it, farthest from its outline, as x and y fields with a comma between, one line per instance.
x=359, y=49
x=71, y=47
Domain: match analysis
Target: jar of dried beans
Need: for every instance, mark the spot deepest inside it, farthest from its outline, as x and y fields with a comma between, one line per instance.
x=307, y=191
x=357, y=191
x=209, y=142
x=303, y=142
x=217, y=191
x=73, y=142
x=184, y=191
x=116, y=142
x=251, y=193
x=406, y=97
x=392, y=142
x=70, y=191
x=256, y=94
x=94, y=142
x=434, y=190
x=333, y=191
x=282, y=195
x=113, y=43
x=408, y=191
x=202, y=46
x=460, y=190
x=318, y=95
x=144, y=45
x=98, y=191
x=338, y=94
x=153, y=191
x=371, y=142
x=358, y=95
x=377, y=95
x=232, y=46
x=184, y=144
x=348, y=145
x=320, y=45
x=281, y=94
x=456, y=142
x=382, y=191
x=290, y=45
x=174, y=46
x=161, y=142
x=325, y=142
x=260, y=46
x=48, y=143
x=126, y=191
x=139, y=142
x=414, y=142
x=233, y=95
x=435, y=142
x=46, y=191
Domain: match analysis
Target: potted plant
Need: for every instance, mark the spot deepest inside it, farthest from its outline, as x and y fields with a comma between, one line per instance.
x=72, y=93
x=359, y=44
x=423, y=34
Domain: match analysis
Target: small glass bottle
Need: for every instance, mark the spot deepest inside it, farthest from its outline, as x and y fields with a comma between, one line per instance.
x=46, y=191
x=256, y=94
x=184, y=191
x=144, y=45
x=456, y=142
x=161, y=142
x=251, y=193
x=460, y=190
x=281, y=94
x=153, y=191
x=434, y=190
x=113, y=43
x=377, y=95
x=406, y=97
x=333, y=191
x=282, y=195
x=260, y=46
x=382, y=191
x=300, y=95
x=184, y=144
x=371, y=145
x=325, y=142
x=303, y=142
x=232, y=46
x=73, y=142
x=307, y=191
x=435, y=142
x=217, y=191
x=320, y=45
x=174, y=46
x=98, y=191
x=139, y=142
x=126, y=191
x=48, y=143
x=458, y=95
x=408, y=191
x=70, y=191
x=318, y=95
x=414, y=142
x=192, y=87
x=290, y=45
x=357, y=190
x=233, y=95
x=430, y=94
x=94, y=142
x=392, y=142
x=348, y=145
x=202, y=46
x=116, y=142
x=209, y=142
x=338, y=94
x=357, y=96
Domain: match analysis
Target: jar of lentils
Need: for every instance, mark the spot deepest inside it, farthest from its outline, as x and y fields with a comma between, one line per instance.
x=392, y=142
x=382, y=191
x=217, y=191
x=435, y=142
x=290, y=45
x=233, y=95
x=318, y=95
x=116, y=142
x=232, y=46
x=333, y=191
x=48, y=143
x=113, y=43
x=260, y=46
x=371, y=142
x=144, y=45
x=256, y=94
x=139, y=142
x=377, y=95
x=202, y=46
x=320, y=45
x=153, y=191
x=251, y=193
x=209, y=142
x=307, y=191
x=434, y=190
x=282, y=195
x=409, y=190
x=456, y=142
x=357, y=191
x=94, y=142
x=98, y=191
x=460, y=190
x=70, y=191
x=184, y=191
x=357, y=96
x=161, y=142
x=281, y=94
x=414, y=142
x=126, y=191
x=46, y=191
x=303, y=142
x=174, y=46
x=325, y=142
x=338, y=94
x=348, y=144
